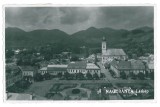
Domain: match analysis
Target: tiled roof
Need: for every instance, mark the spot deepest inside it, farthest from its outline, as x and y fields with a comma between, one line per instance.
x=77, y=65
x=28, y=68
x=114, y=63
x=92, y=66
x=115, y=52
x=56, y=67
x=43, y=69
x=124, y=65
x=136, y=64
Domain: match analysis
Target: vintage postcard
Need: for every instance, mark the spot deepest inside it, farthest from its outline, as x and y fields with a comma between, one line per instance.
x=79, y=53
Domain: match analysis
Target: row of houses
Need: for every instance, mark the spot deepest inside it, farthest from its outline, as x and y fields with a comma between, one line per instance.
x=72, y=68
x=131, y=66
x=15, y=73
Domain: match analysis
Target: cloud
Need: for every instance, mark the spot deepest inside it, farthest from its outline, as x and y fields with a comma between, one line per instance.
x=126, y=17
x=72, y=15
x=73, y=19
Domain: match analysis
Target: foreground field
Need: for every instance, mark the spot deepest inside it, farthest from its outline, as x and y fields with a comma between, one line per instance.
x=62, y=90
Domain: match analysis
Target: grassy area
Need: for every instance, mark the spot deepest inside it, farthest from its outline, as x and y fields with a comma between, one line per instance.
x=93, y=86
x=60, y=87
x=40, y=88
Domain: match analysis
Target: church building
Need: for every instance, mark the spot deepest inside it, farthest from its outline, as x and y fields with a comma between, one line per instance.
x=109, y=54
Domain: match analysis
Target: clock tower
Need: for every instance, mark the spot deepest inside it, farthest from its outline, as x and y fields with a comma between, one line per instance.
x=104, y=46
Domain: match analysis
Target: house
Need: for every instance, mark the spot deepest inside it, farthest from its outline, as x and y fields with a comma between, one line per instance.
x=137, y=66
x=55, y=69
x=17, y=51
x=99, y=56
x=83, y=67
x=13, y=74
x=43, y=70
x=77, y=67
x=134, y=66
x=110, y=54
x=92, y=68
x=150, y=67
x=91, y=58
x=29, y=70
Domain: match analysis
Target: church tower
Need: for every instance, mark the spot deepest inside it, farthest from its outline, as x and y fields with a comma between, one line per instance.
x=104, y=46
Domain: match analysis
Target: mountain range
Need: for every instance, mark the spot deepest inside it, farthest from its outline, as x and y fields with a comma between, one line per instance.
x=91, y=37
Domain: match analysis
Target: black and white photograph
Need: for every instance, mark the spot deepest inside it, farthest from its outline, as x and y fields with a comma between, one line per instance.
x=71, y=53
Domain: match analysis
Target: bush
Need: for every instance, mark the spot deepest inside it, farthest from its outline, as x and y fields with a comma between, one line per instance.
x=151, y=75
x=47, y=76
x=89, y=76
x=75, y=91
x=141, y=75
x=38, y=77
x=123, y=75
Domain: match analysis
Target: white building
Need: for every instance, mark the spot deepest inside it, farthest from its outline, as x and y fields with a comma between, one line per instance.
x=28, y=71
x=109, y=54
x=83, y=67
x=134, y=66
x=77, y=67
x=55, y=69
x=92, y=68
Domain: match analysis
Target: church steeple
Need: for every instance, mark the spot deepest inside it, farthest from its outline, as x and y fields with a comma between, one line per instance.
x=103, y=39
x=104, y=45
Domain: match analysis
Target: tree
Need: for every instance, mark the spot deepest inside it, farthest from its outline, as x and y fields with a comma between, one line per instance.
x=59, y=75
x=133, y=76
x=102, y=75
x=95, y=76
x=141, y=75
x=66, y=75
x=80, y=76
x=123, y=75
x=89, y=76
x=9, y=53
x=38, y=77
x=151, y=75
x=112, y=72
x=47, y=76
x=74, y=58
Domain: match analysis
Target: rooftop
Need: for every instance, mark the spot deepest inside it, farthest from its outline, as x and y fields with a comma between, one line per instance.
x=124, y=65
x=43, y=69
x=28, y=68
x=77, y=65
x=115, y=52
x=57, y=67
x=135, y=64
x=61, y=66
x=92, y=66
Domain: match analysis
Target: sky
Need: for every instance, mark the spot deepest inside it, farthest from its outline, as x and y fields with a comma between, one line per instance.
x=73, y=19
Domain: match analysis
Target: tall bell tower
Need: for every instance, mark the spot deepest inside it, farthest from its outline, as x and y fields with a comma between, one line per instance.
x=104, y=46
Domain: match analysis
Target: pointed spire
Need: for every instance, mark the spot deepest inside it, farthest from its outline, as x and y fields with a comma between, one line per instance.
x=104, y=39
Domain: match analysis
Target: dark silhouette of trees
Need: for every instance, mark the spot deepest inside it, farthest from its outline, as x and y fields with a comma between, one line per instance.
x=141, y=75
x=123, y=75
x=89, y=76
